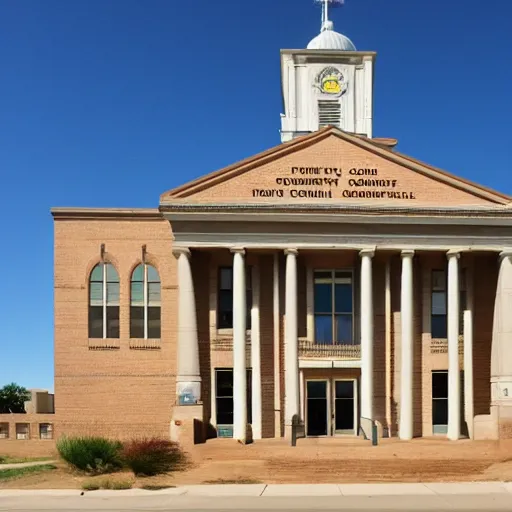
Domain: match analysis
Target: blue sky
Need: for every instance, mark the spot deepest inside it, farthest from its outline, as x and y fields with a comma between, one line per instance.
x=111, y=102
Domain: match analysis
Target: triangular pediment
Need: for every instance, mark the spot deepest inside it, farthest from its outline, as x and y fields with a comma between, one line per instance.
x=334, y=167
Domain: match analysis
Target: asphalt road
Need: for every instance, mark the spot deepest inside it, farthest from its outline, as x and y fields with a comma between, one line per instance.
x=465, y=503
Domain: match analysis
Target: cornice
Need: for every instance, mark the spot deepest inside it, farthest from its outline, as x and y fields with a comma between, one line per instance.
x=60, y=213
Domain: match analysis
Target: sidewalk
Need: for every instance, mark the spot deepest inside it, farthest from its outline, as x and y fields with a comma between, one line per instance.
x=26, y=464
x=293, y=490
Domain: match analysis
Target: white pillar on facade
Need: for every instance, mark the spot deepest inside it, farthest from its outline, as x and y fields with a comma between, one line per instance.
x=453, y=347
x=468, y=370
x=291, y=352
x=239, y=340
x=256, y=355
x=406, y=376
x=188, y=379
x=302, y=392
x=501, y=351
x=366, y=334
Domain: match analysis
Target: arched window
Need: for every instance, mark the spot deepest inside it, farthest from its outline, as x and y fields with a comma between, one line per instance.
x=104, y=302
x=145, y=303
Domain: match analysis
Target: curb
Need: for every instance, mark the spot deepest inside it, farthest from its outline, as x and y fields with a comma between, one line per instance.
x=289, y=490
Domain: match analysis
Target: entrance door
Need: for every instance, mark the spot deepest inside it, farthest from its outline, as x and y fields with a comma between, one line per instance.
x=344, y=407
x=316, y=405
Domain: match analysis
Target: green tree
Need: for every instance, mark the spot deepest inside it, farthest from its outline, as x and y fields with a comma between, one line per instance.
x=12, y=398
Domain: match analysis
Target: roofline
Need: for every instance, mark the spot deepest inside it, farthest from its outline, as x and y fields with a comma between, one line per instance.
x=330, y=53
x=106, y=213
x=302, y=142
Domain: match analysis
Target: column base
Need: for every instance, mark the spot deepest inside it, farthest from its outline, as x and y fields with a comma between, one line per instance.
x=187, y=425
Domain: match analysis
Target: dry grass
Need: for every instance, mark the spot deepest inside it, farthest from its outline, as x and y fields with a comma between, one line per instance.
x=329, y=461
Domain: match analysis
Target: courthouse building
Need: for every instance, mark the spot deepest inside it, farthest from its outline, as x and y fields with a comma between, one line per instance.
x=331, y=278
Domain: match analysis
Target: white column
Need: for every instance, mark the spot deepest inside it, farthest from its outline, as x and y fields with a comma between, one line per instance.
x=291, y=352
x=239, y=334
x=256, y=355
x=406, y=375
x=302, y=392
x=188, y=379
x=453, y=347
x=468, y=371
x=366, y=334
x=277, y=349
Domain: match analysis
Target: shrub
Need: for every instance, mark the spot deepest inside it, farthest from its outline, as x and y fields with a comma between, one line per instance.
x=152, y=456
x=90, y=485
x=91, y=454
x=107, y=483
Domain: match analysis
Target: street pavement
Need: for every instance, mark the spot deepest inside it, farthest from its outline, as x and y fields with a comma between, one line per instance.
x=467, y=497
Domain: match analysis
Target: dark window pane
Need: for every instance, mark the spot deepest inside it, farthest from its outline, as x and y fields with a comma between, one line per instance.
x=112, y=321
x=96, y=322
x=344, y=329
x=438, y=280
x=323, y=329
x=224, y=383
x=225, y=309
x=439, y=303
x=439, y=327
x=440, y=412
x=323, y=274
x=343, y=298
x=323, y=298
x=439, y=384
x=248, y=299
x=344, y=276
x=154, y=322
x=317, y=389
x=344, y=389
x=224, y=411
x=136, y=322
x=225, y=278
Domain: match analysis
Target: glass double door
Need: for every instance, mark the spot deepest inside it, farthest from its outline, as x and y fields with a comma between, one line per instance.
x=331, y=407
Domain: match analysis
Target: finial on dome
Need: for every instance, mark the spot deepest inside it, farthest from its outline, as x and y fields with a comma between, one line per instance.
x=326, y=23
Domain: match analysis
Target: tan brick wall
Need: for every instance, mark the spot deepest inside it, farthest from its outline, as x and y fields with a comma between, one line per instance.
x=123, y=392
x=126, y=392
x=33, y=447
x=334, y=152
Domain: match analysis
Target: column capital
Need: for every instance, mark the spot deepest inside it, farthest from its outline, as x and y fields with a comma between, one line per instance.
x=237, y=250
x=367, y=252
x=506, y=253
x=453, y=253
x=178, y=251
x=291, y=250
x=407, y=253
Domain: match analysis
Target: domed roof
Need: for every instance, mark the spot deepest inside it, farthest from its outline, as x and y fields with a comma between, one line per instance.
x=328, y=39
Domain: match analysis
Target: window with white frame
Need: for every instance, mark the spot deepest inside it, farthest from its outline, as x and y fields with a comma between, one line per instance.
x=22, y=431
x=145, y=303
x=45, y=431
x=4, y=430
x=104, y=302
x=334, y=307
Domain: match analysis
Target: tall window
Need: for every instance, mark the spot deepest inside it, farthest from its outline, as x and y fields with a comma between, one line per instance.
x=333, y=307
x=104, y=302
x=439, y=321
x=145, y=310
x=439, y=306
x=225, y=298
x=224, y=395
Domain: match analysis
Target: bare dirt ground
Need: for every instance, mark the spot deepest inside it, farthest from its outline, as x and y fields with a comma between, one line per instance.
x=317, y=461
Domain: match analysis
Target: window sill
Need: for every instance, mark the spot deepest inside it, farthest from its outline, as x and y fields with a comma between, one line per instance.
x=142, y=344
x=104, y=343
